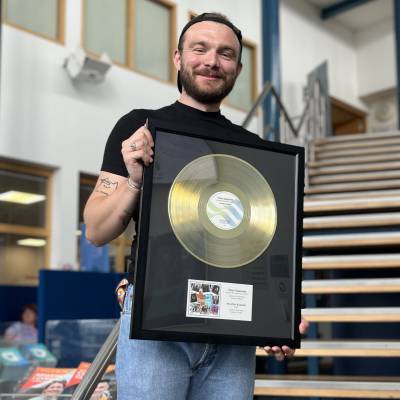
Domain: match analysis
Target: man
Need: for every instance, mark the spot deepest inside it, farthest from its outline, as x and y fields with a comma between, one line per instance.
x=208, y=62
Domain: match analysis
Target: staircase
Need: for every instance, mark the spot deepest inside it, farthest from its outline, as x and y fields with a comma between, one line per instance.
x=351, y=267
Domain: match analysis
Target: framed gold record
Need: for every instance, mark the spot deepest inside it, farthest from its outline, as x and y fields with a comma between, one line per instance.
x=218, y=251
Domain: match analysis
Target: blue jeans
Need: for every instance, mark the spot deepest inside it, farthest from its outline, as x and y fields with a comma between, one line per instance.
x=158, y=370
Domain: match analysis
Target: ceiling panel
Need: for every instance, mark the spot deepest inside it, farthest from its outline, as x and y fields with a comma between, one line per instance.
x=362, y=16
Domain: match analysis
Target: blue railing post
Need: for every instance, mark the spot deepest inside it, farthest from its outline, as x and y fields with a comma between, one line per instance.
x=397, y=45
x=271, y=66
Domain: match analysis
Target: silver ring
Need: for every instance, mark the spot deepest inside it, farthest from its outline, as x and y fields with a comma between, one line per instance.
x=133, y=146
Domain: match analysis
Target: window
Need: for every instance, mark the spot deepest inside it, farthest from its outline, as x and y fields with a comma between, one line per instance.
x=152, y=52
x=105, y=27
x=41, y=17
x=244, y=92
x=24, y=222
x=124, y=29
x=120, y=248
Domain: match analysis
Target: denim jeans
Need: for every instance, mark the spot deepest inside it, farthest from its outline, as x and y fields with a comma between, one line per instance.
x=159, y=370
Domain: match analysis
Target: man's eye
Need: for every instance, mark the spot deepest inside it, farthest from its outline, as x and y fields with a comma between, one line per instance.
x=199, y=50
x=227, y=54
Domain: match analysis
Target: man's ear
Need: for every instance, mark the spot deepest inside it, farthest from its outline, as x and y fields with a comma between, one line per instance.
x=177, y=59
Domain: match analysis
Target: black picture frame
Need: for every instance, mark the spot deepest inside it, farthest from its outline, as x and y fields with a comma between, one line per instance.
x=163, y=266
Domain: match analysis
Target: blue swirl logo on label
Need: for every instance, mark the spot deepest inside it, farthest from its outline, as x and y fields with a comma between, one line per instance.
x=225, y=210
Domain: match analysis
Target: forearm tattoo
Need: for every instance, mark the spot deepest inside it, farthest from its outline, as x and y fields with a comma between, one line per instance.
x=106, y=186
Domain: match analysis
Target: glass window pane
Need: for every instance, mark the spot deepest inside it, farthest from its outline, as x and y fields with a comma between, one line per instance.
x=152, y=51
x=85, y=190
x=113, y=255
x=86, y=186
x=127, y=259
x=105, y=28
x=130, y=231
x=242, y=93
x=21, y=259
x=22, y=199
x=39, y=16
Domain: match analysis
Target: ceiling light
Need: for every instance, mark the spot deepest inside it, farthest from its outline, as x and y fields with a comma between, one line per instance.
x=14, y=196
x=31, y=242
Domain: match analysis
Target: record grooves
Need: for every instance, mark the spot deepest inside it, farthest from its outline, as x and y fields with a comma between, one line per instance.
x=222, y=210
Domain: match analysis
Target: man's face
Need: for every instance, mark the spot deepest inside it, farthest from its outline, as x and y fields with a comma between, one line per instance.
x=209, y=61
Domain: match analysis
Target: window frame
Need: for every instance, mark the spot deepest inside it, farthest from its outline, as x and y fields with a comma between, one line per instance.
x=42, y=232
x=60, y=37
x=254, y=81
x=130, y=35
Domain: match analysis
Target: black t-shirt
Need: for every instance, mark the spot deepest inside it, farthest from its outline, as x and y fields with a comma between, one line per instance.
x=207, y=122
x=129, y=123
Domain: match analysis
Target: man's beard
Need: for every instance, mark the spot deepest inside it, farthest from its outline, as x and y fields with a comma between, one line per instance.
x=206, y=96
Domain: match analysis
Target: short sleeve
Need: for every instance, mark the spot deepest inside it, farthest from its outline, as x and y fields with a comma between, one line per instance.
x=12, y=330
x=123, y=129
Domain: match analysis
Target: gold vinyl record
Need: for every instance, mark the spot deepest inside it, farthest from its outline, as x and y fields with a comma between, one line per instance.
x=222, y=210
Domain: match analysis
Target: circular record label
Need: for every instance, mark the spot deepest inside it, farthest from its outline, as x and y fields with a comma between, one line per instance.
x=225, y=210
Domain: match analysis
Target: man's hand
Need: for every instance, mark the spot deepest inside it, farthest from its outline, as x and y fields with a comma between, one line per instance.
x=285, y=351
x=136, y=152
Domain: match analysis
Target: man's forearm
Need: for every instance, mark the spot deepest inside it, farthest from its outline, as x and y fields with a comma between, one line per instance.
x=109, y=210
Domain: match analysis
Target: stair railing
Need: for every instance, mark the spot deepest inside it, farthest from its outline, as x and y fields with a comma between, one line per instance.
x=289, y=132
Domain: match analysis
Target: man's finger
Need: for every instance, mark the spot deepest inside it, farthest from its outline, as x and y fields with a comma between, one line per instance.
x=303, y=327
x=289, y=352
x=149, y=137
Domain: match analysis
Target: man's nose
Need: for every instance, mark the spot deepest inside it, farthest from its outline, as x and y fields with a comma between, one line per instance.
x=211, y=59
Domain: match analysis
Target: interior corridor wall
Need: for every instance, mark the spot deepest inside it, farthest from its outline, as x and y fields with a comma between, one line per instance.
x=306, y=42
x=376, y=71
x=46, y=118
x=376, y=64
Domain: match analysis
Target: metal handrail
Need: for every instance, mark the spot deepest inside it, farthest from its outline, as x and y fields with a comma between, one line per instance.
x=269, y=88
x=266, y=89
x=96, y=370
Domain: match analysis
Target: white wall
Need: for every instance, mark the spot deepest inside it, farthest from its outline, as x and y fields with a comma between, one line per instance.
x=47, y=119
x=306, y=42
x=376, y=65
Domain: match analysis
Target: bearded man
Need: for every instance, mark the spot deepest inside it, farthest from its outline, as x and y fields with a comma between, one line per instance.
x=208, y=61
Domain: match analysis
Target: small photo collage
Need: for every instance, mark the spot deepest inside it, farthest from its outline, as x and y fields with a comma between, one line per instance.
x=203, y=299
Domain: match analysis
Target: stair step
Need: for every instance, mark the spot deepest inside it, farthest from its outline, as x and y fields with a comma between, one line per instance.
x=352, y=221
x=362, y=176
x=353, y=186
x=323, y=286
x=361, y=144
x=308, y=386
x=351, y=240
x=351, y=261
x=354, y=152
x=371, y=194
x=356, y=314
x=357, y=203
x=359, y=137
x=345, y=348
x=354, y=160
x=368, y=167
